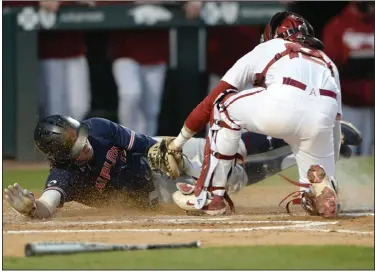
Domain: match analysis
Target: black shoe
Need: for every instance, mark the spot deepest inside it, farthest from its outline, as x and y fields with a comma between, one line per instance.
x=352, y=136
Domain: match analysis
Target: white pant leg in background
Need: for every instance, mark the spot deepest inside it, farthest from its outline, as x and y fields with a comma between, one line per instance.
x=53, y=87
x=127, y=74
x=65, y=85
x=363, y=119
x=153, y=77
x=78, y=87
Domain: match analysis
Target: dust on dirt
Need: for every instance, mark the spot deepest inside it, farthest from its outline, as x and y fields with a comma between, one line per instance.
x=259, y=221
x=257, y=208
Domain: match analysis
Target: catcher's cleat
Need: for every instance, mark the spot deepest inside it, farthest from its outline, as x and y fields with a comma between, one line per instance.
x=324, y=189
x=322, y=199
x=215, y=205
x=351, y=135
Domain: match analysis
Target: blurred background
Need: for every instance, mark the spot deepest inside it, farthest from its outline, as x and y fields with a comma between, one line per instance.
x=147, y=64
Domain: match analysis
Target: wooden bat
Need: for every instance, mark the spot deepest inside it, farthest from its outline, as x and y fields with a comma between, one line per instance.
x=49, y=248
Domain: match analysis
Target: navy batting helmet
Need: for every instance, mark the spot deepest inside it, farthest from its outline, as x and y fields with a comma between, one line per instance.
x=60, y=138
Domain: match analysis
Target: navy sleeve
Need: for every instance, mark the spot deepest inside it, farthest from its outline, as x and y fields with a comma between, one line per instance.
x=60, y=180
x=119, y=135
x=258, y=143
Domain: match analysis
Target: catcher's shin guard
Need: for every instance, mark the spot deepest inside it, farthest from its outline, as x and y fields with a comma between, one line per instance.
x=219, y=160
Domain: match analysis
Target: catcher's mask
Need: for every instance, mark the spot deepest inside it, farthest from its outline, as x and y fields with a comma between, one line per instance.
x=60, y=138
x=293, y=27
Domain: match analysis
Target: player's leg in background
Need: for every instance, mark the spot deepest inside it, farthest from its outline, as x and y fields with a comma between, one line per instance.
x=363, y=119
x=53, y=87
x=78, y=87
x=368, y=144
x=367, y=129
x=153, y=77
x=353, y=115
x=127, y=74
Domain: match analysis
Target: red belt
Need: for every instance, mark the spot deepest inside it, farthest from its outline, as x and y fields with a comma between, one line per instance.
x=300, y=85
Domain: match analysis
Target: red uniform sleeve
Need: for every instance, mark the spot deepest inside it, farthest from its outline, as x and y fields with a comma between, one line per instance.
x=201, y=114
x=333, y=44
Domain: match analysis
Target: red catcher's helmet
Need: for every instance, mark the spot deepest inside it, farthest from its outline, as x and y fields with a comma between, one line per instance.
x=293, y=27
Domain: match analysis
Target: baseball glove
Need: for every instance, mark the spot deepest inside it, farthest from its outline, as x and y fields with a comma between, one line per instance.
x=161, y=158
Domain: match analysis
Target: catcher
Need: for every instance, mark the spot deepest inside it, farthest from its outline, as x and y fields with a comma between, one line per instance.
x=94, y=160
x=297, y=98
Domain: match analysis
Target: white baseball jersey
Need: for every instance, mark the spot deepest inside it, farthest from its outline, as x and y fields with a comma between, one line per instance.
x=244, y=70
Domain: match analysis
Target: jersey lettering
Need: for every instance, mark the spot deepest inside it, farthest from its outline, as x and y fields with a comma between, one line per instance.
x=112, y=155
x=105, y=173
x=123, y=156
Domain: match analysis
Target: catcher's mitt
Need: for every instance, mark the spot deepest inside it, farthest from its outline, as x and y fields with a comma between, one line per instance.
x=168, y=161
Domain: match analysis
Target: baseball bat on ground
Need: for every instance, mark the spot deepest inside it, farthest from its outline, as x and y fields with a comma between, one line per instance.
x=49, y=248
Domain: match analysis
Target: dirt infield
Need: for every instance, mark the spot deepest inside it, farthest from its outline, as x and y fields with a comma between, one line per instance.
x=258, y=222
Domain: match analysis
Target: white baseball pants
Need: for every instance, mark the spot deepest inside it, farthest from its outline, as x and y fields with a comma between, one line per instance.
x=140, y=90
x=304, y=121
x=65, y=87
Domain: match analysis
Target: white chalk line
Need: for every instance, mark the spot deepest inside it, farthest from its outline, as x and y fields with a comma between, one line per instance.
x=341, y=231
x=188, y=230
x=168, y=222
x=308, y=226
x=356, y=214
x=301, y=226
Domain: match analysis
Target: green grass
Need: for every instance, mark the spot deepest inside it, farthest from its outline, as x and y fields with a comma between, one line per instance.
x=33, y=180
x=254, y=257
